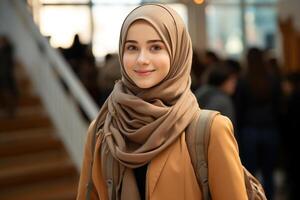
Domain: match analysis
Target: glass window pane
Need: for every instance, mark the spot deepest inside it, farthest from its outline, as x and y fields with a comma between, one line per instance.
x=63, y=22
x=261, y=27
x=64, y=1
x=118, y=2
x=261, y=1
x=181, y=9
x=223, y=1
x=224, y=30
x=106, y=32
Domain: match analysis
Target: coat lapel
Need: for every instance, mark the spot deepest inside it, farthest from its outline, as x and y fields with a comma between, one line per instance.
x=155, y=169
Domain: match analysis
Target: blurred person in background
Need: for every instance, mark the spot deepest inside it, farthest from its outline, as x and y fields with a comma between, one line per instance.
x=291, y=122
x=8, y=85
x=258, y=107
x=209, y=59
x=198, y=69
x=216, y=93
x=109, y=74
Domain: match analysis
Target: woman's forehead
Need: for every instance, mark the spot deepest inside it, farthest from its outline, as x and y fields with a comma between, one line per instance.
x=142, y=29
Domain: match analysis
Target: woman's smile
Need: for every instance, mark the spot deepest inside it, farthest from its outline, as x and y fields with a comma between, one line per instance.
x=144, y=72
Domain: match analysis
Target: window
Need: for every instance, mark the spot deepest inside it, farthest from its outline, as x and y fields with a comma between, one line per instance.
x=225, y=36
x=235, y=25
x=63, y=1
x=260, y=24
x=62, y=19
x=106, y=32
x=117, y=2
x=61, y=23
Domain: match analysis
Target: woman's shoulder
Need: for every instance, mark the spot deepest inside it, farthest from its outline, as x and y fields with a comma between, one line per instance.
x=90, y=132
x=91, y=126
x=222, y=130
x=221, y=122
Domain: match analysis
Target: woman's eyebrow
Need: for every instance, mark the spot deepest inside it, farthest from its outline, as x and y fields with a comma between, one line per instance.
x=153, y=41
x=149, y=41
x=131, y=41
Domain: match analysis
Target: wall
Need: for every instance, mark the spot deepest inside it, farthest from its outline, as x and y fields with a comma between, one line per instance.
x=289, y=25
x=290, y=8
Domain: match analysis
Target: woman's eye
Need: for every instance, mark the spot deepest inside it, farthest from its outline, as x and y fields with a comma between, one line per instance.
x=155, y=48
x=131, y=48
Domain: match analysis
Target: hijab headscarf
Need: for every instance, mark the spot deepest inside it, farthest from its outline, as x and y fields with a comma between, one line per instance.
x=138, y=124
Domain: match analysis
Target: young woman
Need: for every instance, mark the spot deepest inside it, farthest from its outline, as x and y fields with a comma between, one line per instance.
x=140, y=150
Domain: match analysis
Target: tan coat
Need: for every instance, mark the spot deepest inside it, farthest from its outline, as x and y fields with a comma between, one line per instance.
x=226, y=180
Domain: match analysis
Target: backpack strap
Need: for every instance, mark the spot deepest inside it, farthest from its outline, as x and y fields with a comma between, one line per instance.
x=197, y=142
x=95, y=131
x=90, y=184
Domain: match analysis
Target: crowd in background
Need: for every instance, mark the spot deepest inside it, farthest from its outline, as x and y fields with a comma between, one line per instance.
x=263, y=103
x=261, y=100
x=97, y=79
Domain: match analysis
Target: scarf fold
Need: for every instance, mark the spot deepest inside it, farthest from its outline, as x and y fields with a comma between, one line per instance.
x=138, y=124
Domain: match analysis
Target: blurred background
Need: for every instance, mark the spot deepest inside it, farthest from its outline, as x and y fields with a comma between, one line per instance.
x=59, y=62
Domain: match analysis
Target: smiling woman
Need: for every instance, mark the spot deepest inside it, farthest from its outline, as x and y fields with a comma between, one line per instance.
x=136, y=146
x=146, y=59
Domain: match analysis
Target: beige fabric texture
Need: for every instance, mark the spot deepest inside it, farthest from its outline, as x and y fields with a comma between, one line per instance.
x=141, y=123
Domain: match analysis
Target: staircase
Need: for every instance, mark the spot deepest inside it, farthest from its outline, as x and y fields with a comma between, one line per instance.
x=34, y=164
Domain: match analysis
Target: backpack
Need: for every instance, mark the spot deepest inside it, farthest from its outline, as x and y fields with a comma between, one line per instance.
x=197, y=142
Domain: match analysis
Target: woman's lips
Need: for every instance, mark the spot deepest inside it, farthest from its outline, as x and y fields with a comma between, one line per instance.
x=143, y=72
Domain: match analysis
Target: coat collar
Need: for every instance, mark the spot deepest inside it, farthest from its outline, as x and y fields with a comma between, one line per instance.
x=155, y=169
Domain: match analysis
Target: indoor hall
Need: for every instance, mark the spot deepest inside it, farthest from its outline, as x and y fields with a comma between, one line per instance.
x=59, y=63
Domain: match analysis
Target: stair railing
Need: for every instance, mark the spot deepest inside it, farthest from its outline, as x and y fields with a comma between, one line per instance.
x=48, y=70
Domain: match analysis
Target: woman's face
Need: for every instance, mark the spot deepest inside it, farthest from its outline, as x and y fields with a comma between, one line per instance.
x=145, y=58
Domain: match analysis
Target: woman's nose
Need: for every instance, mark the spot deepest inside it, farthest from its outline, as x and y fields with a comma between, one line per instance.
x=143, y=58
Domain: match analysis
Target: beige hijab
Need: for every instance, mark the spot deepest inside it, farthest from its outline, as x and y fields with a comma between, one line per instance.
x=138, y=124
